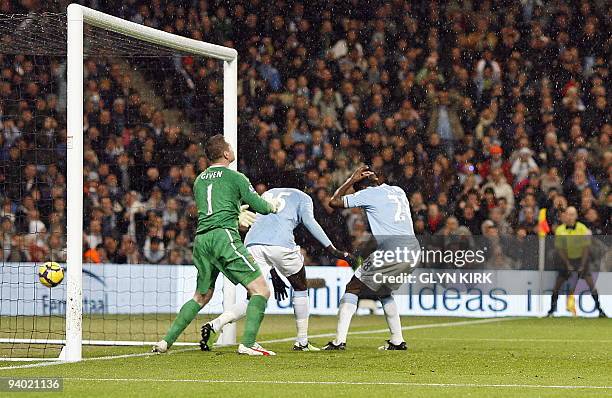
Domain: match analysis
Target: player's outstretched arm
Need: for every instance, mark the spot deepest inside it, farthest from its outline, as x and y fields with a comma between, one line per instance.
x=311, y=224
x=361, y=173
x=251, y=198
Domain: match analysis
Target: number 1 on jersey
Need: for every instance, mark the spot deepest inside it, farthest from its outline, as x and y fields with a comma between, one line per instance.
x=209, y=200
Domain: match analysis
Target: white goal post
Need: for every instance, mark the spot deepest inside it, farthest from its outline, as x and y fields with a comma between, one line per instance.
x=77, y=16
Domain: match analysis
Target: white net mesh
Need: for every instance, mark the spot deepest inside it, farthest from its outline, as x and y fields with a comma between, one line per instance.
x=146, y=111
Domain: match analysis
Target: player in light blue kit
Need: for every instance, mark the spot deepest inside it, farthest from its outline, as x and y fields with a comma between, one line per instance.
x=397, y=252
x=271, y=243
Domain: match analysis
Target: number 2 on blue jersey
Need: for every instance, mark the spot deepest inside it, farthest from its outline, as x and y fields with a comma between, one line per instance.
x=403, y=209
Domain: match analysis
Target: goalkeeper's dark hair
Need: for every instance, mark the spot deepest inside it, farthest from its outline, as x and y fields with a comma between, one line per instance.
x=215, y=146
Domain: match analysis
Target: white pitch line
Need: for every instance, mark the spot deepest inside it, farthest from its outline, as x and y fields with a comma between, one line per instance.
x=360, y=332
x=106, y=358
x=413, y=327
x=573, y=341
x=358, y=383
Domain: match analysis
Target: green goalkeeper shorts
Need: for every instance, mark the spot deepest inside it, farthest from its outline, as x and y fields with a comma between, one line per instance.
x=222, y=250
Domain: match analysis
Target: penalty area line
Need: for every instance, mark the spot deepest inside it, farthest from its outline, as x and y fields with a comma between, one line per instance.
x=357, y=383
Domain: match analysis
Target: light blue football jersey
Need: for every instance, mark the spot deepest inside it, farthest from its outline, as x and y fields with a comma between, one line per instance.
x=387, y=209
x=277, y=229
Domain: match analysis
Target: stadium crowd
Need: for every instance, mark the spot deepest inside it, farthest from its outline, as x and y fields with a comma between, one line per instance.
x=483, y=112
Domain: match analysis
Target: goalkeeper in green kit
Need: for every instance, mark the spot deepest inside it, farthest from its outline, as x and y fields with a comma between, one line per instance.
x=222, y=196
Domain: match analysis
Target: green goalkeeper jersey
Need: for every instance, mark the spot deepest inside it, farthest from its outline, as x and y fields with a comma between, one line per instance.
x=219, y=192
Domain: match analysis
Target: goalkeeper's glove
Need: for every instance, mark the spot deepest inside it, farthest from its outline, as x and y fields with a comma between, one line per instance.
x=346, y=256
x=280, y=289
x=274, y=204
x=246, y=218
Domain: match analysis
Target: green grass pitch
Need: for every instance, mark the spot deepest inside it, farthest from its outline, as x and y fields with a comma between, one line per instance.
x=447, y=357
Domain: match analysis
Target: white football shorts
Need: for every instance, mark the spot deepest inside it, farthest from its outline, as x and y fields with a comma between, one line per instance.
x=286, y=261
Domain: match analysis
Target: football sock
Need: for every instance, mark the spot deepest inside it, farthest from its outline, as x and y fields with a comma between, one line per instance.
x=553, y=302
x=393, y=319
x=188, y=312
x=254, y=316
x=570, y=303
x=300, y=309
x=595, y=296
x=232, y=314
x=348, y=306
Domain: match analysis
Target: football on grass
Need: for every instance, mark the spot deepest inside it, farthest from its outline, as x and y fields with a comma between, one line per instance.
x=50, y=274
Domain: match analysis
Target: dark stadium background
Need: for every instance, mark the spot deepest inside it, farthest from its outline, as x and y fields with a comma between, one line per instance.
x=483, y=112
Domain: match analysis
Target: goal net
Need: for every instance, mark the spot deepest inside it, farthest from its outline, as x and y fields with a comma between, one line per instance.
x=101, y=121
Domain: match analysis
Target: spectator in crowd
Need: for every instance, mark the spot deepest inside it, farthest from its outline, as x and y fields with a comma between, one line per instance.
x=154, y=251
x=487, y=114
